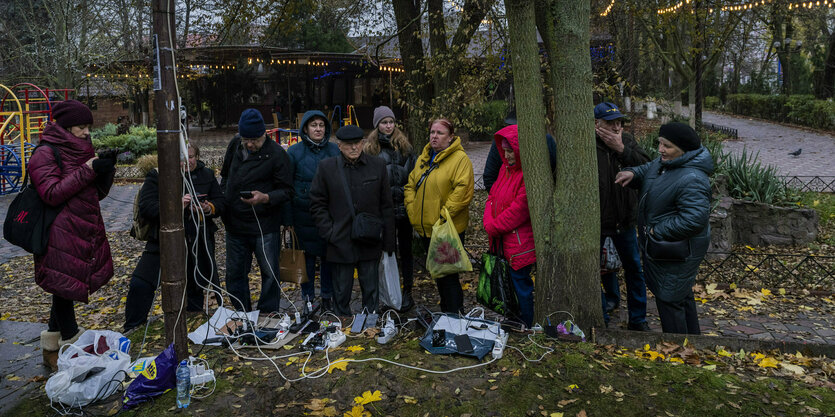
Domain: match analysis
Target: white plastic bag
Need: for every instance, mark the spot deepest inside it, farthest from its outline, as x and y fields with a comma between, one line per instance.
x=84, y=377
x=389, y=288
x=609, y=259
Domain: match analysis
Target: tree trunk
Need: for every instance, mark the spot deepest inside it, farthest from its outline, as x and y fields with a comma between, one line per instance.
x=530, y=113
x=573, y=243
x=827, y=87
x=545, y=25
x=437, y=44
x=418, y=90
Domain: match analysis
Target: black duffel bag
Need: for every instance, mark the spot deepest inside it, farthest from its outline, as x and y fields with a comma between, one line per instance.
x=29, y=218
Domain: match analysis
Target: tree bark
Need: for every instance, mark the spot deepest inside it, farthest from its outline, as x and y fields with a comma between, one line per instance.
x=827, y=89
x=418, y=88
x=576, y=232
x=530, y=113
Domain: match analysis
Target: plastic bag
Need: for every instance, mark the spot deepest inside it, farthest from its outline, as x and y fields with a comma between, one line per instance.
x=446, y=254
x=158, y=377
x=495, y=288
x=609, y=259
x=389, y=288
x=90, y=369
x=154, y=380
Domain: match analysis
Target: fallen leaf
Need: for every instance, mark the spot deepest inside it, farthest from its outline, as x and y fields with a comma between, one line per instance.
x=409, y=400
x=340, y=364
x=768, y=363
x=355, y=348
x=368, y=397
x=357, y=411
x=605, y=389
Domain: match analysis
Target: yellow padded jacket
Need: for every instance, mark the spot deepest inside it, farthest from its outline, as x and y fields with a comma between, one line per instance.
x=449, y=183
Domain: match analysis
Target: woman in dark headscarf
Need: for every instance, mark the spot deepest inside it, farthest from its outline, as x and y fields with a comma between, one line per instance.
x=674, y=222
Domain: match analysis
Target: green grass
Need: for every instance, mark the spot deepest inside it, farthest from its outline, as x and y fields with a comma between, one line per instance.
x=607, y=384
x=824, y=204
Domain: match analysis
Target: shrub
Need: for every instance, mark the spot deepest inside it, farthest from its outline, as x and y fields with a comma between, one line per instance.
x=107, y=130
x=139, y=140
x=798, y=109
x=711, y=103
x=485, y=119
x=748, y=179
x=145, y=163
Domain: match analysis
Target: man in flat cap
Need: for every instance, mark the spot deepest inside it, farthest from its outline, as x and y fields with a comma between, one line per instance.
x=351, y=203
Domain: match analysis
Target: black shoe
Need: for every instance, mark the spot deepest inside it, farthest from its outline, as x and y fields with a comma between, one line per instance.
x=327, y=305
x=408, y=303
x=641, y=327
x=611, y=306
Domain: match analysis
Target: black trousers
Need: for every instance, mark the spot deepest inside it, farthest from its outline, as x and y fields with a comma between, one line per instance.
x=62, y=317
x=404, y=249
x=449, y=286
x=679, y=317
x=343, y=284
x=145, y=280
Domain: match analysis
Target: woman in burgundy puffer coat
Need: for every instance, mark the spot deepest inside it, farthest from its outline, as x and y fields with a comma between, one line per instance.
x=506, y=217
x=77, y=261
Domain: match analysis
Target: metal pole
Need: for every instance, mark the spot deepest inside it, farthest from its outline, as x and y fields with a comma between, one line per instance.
x=171, y=234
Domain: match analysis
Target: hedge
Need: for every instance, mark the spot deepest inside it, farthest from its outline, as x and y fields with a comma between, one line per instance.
x=802, y=110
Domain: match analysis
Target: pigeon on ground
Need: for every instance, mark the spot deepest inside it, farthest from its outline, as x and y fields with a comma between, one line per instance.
x=795, y=153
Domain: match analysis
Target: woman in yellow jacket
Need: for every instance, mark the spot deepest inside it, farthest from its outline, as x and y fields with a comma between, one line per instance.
x=443, y=177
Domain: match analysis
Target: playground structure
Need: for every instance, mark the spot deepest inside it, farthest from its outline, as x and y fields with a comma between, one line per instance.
x=24, y=111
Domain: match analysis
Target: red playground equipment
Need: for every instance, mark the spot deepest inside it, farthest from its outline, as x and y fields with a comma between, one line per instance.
x=24, y=111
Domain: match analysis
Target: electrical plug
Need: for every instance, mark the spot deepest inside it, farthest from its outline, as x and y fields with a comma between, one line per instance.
x=388, y=331
x=499, y=345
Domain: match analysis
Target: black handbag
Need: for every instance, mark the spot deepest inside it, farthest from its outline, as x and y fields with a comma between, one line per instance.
x=365, y=227
x=29, y=218
x=667, y=251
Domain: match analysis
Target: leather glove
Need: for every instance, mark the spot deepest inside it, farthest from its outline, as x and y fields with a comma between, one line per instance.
x=104, y=166
x=109, y=153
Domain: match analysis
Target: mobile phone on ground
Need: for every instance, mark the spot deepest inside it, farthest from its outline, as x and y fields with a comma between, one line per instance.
x=463, y=343
x=246, y=194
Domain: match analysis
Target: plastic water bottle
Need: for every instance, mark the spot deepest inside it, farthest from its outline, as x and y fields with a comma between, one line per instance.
x=183, y=385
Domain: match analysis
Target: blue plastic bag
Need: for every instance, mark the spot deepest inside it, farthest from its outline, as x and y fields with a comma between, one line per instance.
x=158, y=377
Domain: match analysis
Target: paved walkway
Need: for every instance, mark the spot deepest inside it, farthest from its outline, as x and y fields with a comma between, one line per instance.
x=774, y=142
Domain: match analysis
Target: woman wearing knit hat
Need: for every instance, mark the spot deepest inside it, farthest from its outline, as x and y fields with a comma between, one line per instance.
x=77, y=261
x=388, y=142
x=673, y=222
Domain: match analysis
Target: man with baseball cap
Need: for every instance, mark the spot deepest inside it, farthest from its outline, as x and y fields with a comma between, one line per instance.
x=617, y=150
x=257, y=181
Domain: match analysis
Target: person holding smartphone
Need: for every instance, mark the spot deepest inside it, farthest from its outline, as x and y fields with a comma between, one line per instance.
x=199, y=210
x=257, y=181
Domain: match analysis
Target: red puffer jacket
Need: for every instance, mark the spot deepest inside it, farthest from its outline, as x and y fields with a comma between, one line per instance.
x=506, y=213
x=77, y=260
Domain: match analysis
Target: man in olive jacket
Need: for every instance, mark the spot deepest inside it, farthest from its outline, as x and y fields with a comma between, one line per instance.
x=617, y=150
x=259, y=168
x=366, y=178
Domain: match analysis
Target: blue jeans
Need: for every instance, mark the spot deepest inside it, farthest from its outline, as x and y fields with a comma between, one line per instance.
x=626, y=243
x=325, y=277
x=523, y=284
x=239, y=250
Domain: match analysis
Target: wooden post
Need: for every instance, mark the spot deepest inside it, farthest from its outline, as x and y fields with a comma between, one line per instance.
x=171, y=234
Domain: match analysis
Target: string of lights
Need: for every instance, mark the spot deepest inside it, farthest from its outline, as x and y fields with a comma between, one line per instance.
x=738, y=7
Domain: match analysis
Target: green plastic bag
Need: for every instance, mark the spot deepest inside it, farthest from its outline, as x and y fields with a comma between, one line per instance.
x=446, y=254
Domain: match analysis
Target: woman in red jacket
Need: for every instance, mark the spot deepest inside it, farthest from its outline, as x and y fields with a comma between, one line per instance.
x=77, y=261
x=506, y=217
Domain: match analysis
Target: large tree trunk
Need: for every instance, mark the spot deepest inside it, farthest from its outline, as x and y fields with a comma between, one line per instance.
x=418, y=90
x=827, y=86
x=530, y=112
x=576, y=234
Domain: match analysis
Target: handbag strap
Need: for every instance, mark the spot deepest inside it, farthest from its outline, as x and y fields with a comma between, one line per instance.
x=347, y=189
x=57, y=159
x=294, y=239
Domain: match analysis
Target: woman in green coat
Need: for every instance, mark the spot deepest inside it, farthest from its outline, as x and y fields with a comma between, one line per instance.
x=674, y=213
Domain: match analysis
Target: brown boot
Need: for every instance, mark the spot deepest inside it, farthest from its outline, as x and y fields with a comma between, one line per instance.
x=49, y=348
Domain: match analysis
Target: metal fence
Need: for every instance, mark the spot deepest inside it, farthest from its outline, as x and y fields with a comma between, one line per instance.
x=729, y=131
x=770, y=270
x=816, y=183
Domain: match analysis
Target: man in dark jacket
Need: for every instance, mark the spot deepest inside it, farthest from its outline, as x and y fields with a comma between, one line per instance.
x=257, y=181
x=200, y=229
x=617, y=150
x=365, y=179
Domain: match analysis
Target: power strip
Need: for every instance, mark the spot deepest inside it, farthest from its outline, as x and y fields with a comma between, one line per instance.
x=499, y=344
x=336, y=338
x=200, y=375
x=388, y=332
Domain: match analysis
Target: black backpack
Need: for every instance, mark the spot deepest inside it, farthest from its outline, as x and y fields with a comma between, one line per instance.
x=29, y=218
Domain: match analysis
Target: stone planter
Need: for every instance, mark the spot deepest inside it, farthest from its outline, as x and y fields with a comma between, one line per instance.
x=757, y=224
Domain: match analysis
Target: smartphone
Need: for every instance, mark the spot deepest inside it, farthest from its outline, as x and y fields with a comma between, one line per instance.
x=463, y=343
x=246, y=194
